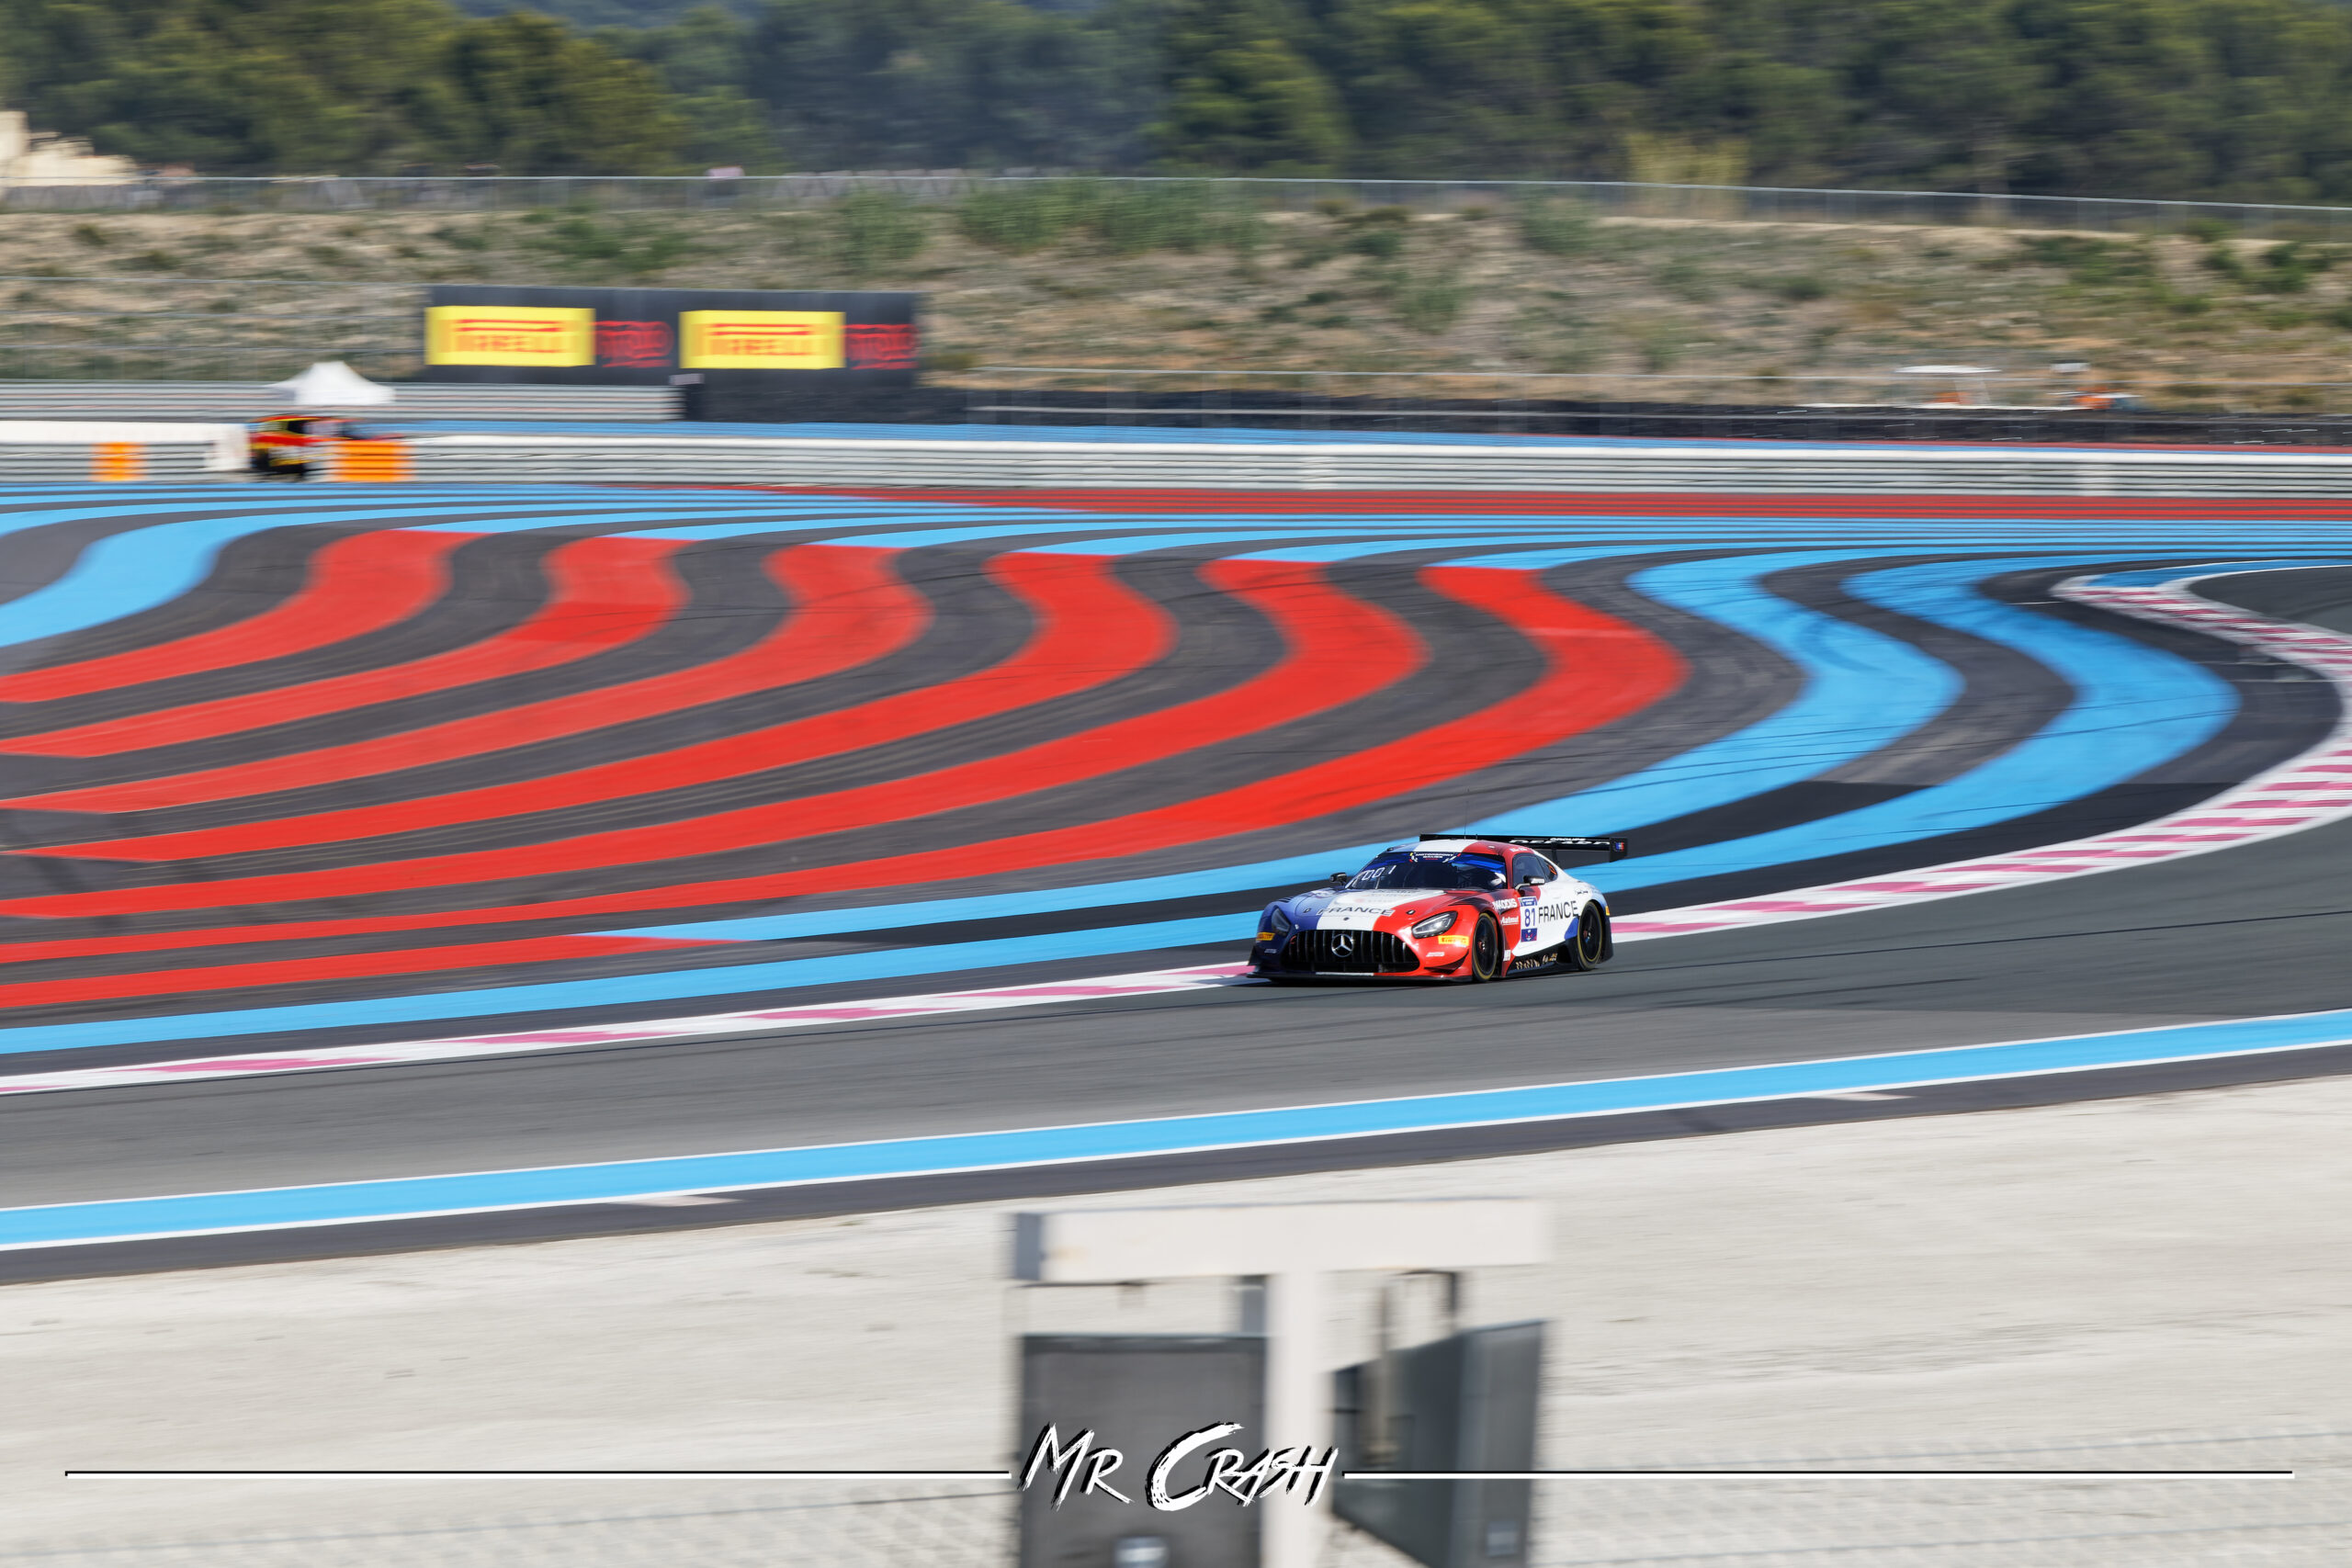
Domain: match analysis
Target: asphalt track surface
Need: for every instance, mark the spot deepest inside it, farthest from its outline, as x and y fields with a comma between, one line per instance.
x=358, y=772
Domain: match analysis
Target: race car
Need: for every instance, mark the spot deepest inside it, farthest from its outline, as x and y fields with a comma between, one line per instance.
x=1443, y=909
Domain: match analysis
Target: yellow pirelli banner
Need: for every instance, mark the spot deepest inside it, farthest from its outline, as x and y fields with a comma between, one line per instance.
x=760, y=340
x=550, y=338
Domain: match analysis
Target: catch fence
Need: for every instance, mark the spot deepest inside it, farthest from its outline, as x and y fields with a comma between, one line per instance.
x=1773, y=204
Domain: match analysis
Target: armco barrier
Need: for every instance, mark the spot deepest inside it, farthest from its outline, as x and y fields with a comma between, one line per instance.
x=73, y=451
x=115, y=452
x=1400, y=464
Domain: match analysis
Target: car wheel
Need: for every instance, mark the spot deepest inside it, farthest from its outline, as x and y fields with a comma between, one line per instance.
x=1486, y=949
x=1589, y=948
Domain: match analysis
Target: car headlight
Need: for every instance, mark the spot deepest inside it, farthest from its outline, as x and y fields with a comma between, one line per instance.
x=1274, y=926
x=1436, y=923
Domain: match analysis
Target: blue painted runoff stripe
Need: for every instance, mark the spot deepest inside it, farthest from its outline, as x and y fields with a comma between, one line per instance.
x=891, y=963
x=481, y=1191
x=1864, y=690
x=2134, y=707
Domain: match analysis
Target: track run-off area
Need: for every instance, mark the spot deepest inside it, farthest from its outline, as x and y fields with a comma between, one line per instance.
x=422, y=864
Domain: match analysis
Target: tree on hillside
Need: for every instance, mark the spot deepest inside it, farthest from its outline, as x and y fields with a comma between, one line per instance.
x=1961, y=85
x=954, y=84
x=1242, y=98
x=262, y=86
x=520, y=91
x=705, y=58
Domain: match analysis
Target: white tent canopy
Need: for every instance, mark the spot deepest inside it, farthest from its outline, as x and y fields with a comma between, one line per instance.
x=331, y=384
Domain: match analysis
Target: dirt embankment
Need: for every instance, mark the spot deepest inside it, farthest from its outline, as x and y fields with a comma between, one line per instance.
x=1548, y=290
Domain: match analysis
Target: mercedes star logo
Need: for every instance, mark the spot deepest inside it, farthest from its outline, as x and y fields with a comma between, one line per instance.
x=1343, y=945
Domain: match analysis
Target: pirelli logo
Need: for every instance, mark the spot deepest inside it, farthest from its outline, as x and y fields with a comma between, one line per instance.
x=760, y=340
x=509, y=334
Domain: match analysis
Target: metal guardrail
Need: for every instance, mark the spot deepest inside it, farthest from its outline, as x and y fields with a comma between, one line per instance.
x=978, y=463
x=1384, y=466
x=769, y=192
x=246, y=399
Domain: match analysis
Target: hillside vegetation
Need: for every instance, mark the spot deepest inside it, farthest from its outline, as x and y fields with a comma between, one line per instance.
x=2230, y=99
x=1071, y=276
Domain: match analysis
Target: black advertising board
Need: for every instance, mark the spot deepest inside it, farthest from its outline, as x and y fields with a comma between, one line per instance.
x=813, y=340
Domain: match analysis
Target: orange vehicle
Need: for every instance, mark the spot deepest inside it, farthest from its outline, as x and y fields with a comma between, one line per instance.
x=287, y=447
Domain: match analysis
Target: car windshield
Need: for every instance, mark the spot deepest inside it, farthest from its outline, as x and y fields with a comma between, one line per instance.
x=1429, y=872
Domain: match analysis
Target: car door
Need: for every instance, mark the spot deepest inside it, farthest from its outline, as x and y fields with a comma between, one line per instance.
x=1541, y=923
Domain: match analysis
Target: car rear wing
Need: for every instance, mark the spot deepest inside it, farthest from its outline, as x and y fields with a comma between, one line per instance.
x=1615, y=848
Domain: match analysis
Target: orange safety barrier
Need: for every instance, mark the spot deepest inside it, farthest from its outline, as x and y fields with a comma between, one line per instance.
x=372, y=461
x=118, y=461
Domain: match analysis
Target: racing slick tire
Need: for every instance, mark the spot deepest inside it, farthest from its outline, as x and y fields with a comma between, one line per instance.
x=1590, y=947
x=1485, y=951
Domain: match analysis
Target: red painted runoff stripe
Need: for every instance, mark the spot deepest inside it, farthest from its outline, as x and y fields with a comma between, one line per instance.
x=1338, y=648
x=1071, y=597
x=356, y=585
x=1598, y=669
x=848, y=608
x=606, y=592
x=339, y=966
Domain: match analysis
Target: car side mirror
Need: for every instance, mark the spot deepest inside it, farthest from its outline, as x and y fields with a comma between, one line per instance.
x=1341, y=878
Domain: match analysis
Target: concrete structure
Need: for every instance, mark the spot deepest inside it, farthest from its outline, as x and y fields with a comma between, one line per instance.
x=49, y=159
x=1291, y=1247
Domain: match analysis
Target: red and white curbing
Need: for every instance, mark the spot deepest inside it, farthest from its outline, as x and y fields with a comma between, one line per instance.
x=2314, y=788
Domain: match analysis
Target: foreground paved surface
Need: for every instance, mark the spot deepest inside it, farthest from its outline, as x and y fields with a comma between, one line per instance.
x=2155, y=1282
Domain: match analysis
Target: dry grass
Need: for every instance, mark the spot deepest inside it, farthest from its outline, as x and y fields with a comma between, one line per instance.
x=1492, y=291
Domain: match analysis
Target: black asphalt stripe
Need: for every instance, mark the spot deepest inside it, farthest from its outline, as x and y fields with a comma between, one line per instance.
x=1735, y=682
x=248, y=576
x=975, y=625
x=39, y=556
x=729, y=608
x=251, y=576
x=493, y=568
x=1505, y=662
x=498, y=583
x=2319, y=596
x=1222, y=641
x=195, y=611
x=739, y=960
x=2276, y=720
x=2005, y=698
x=1700, y=709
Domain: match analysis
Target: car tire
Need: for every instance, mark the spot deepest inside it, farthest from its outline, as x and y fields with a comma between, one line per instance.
x=1485, y=961
x=1589, y=948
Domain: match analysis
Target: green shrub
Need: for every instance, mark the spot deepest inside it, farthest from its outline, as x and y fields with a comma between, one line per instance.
x=1796, y=288
x=1430, y=304
x=1018, y=218
x=2085, y=260
x=1381, y=243
x=629, y=247
x=1684, y=278
x=93, y=236
x=1129, y=217
x=2288, y=268
x=1558, y=228
x=1156, y=215
x=873, y=231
